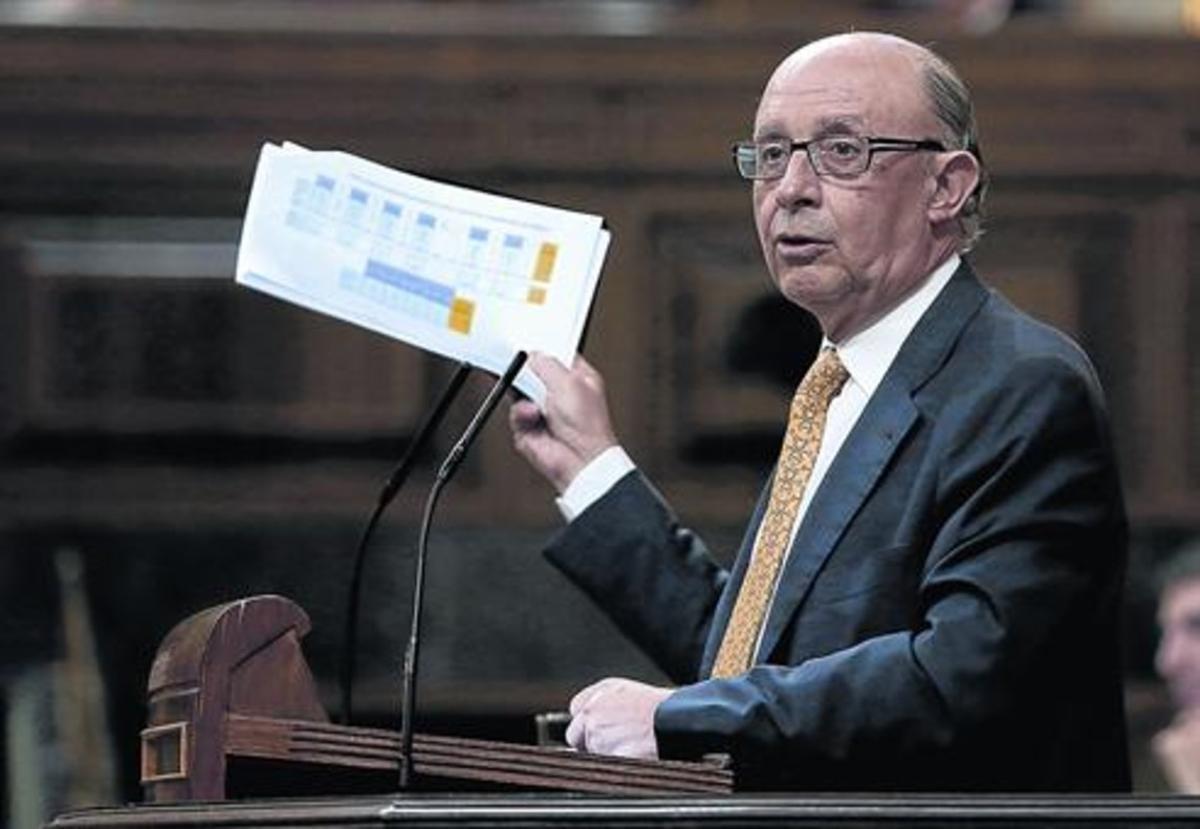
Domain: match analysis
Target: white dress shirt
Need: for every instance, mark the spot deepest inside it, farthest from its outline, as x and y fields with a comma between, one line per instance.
x=867, y=356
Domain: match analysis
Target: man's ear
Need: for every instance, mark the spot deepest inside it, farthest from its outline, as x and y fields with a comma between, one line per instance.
x=956, y=177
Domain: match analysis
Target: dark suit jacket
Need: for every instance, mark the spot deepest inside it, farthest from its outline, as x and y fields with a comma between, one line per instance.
x=948, y=615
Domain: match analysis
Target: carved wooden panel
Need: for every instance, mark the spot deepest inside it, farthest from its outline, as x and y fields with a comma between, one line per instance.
x=127, y=338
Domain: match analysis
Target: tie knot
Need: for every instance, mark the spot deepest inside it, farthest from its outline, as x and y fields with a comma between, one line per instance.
x=824, y=379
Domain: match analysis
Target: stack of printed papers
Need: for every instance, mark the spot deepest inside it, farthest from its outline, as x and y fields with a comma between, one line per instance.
x=472, y=276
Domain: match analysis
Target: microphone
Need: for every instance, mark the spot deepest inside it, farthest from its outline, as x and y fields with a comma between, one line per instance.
x=445, y=473
x=386, y=496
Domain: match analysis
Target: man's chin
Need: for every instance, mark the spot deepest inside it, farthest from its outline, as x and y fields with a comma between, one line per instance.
x=811, y=287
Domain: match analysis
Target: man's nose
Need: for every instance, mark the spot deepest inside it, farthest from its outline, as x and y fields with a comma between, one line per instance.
x=800, y=184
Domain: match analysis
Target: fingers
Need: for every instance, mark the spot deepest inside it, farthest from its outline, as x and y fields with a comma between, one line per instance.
x=577, y=731
x=559, y=378
x=616, y=716
x=587, y=696
x=548, y=369
x=582, y=367
x=524, y=416
x=571, y=429
x=577, y=734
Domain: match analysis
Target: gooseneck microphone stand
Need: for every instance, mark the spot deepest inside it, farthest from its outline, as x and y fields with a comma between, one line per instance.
x=449, y=466
x=386, y=496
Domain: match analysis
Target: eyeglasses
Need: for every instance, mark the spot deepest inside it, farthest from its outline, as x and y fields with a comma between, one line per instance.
x=834, y=156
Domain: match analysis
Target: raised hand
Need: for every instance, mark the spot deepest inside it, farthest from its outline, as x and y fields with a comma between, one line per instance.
x=573, y=428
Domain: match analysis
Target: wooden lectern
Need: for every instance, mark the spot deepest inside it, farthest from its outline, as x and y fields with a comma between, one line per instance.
x=233, y=709
x=230, y=686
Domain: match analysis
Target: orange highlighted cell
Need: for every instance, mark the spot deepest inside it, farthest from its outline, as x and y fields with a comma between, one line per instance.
x=461, y=313
x=536, y=296
x=545, y=262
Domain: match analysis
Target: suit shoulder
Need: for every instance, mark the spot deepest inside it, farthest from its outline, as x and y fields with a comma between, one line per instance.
x=1016, y=344
x=1006, y=367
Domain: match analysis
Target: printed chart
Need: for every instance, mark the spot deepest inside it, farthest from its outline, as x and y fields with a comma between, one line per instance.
x=469, y=275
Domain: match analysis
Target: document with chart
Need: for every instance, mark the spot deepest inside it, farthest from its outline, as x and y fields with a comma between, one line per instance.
x=468, y=275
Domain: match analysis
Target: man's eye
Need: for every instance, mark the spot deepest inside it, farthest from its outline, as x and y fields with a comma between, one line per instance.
x=842, y=149
x=772, y=153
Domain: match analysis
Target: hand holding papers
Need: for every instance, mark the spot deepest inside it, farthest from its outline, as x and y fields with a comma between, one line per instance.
x=471, y=276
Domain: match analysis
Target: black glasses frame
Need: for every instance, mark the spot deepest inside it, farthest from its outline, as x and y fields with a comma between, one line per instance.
x=874, y=145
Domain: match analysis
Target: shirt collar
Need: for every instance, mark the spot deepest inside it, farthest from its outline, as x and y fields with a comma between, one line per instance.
x=869, y=354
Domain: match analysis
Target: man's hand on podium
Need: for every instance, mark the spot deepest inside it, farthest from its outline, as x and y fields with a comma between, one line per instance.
x=616, y=716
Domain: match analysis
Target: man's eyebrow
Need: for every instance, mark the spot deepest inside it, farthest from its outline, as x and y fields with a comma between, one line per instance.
x=831, y=125
x=839, y=125
x=769, y=132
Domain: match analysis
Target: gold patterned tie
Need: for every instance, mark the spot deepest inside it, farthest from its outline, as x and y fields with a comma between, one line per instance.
x=806, y=423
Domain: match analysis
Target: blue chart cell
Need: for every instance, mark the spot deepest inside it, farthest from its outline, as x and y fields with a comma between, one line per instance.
x=410, y=282
x=322, y=192
x=511, y=255
x=356, y=206
x=476, y=246
x=352, y=224
x=402, y=291
x=423, y=232
x=388, y=220
x=310, y=200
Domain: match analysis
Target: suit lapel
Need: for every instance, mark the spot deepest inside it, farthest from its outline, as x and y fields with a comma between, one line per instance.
x=880, y=430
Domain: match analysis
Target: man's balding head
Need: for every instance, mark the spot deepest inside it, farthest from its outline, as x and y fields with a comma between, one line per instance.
x=945, y=94
x=851, y=248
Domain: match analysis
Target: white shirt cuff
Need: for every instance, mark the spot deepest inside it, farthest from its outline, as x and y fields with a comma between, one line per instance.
x=593, y=481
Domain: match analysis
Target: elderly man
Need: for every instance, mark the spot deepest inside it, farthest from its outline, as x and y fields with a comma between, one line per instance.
x=926, y=597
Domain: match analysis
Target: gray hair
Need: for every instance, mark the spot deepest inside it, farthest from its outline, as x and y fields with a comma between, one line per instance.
x=952, y=105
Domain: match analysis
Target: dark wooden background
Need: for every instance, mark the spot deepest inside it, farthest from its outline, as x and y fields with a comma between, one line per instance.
x=187, y=441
